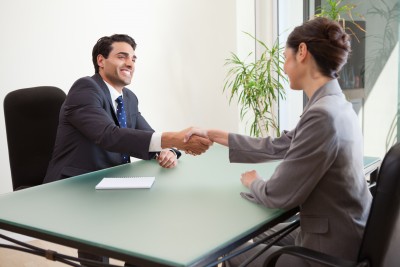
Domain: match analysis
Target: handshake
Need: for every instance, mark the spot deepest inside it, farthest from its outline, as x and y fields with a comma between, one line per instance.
x=193, y=141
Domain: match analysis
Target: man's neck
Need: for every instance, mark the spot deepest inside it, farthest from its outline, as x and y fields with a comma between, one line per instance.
x=109, y=83
x=113, y=92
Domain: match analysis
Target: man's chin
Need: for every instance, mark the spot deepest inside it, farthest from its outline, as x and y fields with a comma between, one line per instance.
x=127, y=81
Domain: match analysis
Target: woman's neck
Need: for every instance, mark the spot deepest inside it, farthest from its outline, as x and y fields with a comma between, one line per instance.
x=314, y=83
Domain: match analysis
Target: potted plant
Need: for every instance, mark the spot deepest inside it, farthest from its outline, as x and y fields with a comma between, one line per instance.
x=335, y=9
x=258, y=84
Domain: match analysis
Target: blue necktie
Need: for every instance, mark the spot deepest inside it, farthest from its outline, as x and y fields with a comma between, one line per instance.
x=121, y=116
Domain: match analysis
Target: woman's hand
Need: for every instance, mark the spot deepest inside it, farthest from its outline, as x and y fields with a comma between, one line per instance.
x=248, y=177
x=195, y=131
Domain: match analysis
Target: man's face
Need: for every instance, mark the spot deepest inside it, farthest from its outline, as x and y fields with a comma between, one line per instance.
x=118, y=68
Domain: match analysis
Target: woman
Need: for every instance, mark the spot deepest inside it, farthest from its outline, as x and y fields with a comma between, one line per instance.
x=322, y=167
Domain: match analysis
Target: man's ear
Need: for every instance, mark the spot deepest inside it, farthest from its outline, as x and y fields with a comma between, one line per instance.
x=100, y=60
x=302, y=52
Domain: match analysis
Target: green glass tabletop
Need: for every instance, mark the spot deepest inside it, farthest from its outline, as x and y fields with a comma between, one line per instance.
x=189, y=212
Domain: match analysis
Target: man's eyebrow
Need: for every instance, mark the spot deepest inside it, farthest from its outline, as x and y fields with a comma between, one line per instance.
x=126, y=54
x=123, y=53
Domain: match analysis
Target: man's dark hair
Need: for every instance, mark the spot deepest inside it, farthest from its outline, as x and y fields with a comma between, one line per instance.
x=104, y=46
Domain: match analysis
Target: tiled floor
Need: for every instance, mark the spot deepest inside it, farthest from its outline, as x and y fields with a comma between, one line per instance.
x=13, y=258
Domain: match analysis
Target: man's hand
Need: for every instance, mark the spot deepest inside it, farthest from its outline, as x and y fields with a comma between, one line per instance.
x=167, y=159
x=195, y=146
x=217, y=136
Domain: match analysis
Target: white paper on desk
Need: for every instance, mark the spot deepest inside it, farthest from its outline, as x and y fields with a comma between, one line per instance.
x=125, y=182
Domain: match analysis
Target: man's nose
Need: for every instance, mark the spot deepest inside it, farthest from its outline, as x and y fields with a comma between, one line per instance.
x=129, y=62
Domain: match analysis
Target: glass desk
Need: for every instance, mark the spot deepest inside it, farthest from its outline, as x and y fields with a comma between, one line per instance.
x=192, y=214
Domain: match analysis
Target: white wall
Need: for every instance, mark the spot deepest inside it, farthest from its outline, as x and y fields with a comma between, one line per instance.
x=182, y=46
x=245, y=23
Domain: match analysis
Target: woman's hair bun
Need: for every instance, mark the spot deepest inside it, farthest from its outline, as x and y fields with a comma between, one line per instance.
x=337, y=36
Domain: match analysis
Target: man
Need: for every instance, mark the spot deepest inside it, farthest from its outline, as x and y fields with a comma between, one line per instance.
x=90, y=136
x=100, y=125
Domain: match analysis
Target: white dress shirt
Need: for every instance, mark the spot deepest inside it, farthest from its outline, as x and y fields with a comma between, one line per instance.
x=155, y=142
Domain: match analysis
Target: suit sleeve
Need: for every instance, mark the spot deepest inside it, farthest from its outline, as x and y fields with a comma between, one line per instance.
x=245, y=149
x=312, y=152
x=86, y=109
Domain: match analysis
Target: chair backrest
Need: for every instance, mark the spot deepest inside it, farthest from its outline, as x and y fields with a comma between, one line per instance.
x=381, y=242
x=31, y=119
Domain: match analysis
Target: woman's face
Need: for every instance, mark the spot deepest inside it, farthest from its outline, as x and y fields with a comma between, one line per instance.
x=291, y=68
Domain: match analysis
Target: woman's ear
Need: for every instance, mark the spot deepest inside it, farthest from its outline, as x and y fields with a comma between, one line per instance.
x=302, y=52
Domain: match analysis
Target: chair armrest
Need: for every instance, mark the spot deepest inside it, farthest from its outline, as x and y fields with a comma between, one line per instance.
x=310, y=255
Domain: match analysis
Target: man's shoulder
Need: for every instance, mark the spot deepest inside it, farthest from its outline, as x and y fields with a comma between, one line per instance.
x=87, y=80
x=86, y=86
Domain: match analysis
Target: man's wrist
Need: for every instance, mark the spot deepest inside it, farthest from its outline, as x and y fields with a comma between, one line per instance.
x=168, y=140
x=173, y=151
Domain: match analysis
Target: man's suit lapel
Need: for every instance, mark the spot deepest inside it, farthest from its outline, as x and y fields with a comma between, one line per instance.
x=106, y=92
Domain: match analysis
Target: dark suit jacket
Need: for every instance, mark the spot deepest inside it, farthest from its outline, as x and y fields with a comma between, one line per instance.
x=88, y=135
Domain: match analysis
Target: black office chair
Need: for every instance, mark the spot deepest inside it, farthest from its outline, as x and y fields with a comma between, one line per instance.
x=381, y=240
x=31, y=118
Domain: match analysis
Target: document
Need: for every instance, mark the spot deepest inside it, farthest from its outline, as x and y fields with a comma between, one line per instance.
x=125, y=182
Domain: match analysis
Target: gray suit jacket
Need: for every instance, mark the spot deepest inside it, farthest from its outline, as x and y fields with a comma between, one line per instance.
x=88, y=135
x=322, y=172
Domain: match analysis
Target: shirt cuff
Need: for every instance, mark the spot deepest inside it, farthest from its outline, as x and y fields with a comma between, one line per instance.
x=155, y=142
